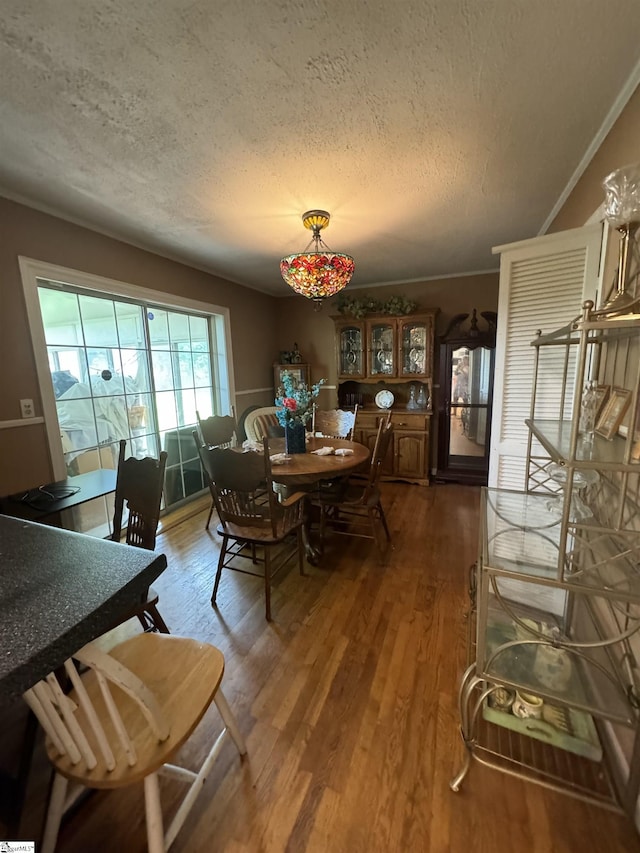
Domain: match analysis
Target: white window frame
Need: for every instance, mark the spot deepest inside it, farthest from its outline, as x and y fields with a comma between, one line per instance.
x=31, y=270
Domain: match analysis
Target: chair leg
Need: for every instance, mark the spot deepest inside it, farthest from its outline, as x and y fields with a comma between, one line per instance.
x=157, y=622
x=300, y=550
x=267, y=582
x=153, y=813
x=230, y=721
x=375, y=532
x=206, y=527
x=54, y=813
x=223, y=551
x=383, y=519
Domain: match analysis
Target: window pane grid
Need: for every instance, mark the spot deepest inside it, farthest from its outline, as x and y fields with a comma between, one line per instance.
x=132, y=370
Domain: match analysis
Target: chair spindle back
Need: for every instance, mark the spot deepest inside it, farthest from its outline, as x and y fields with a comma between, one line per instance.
x=139, y=483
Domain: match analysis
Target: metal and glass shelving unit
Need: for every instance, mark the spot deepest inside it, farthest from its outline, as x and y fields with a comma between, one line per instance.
x=554, y=682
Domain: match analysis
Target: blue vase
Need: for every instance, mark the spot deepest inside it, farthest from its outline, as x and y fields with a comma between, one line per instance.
x=294, y=438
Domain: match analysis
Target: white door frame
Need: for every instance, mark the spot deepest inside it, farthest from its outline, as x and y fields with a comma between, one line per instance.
x=31, y=270
x=589, y=236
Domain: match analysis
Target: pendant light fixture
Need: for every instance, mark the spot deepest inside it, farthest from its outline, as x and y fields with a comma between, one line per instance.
x=317, y=273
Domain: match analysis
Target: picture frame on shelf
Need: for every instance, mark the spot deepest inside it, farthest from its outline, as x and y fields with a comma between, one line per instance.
x=602, y=396
x=634, y=424
x=631, y=421
x=300, y=373
x=613, y=412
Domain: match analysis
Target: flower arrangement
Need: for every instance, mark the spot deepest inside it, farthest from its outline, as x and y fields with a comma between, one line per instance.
x=369, y=305
x=294, y=402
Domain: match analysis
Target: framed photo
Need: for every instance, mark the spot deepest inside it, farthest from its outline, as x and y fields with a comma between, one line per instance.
x=634, y=424
x=602, y=395
x=300, y=373
x=613, y=412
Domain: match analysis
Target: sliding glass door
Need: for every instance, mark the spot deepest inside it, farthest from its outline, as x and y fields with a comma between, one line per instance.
x=127, y=369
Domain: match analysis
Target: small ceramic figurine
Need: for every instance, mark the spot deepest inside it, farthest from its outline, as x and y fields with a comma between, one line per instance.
x=296, y=358
x=527, y=706
x=502, y=699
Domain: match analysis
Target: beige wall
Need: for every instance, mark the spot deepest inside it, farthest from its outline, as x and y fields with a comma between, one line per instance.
x=24, y=459
x=314, y=331
x=620, y=147
x=260, y=325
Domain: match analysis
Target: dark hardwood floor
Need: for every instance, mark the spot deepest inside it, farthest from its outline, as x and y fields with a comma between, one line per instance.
x=348, y=702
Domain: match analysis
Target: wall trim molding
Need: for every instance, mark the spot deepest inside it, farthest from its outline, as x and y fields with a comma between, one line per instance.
x=21, y=422
x=609, y=120
x=270, y=389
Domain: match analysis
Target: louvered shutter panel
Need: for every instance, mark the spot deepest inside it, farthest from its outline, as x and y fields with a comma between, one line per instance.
x=543, y=283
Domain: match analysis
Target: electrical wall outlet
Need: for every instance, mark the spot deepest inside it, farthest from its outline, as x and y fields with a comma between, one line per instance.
x=26, y=408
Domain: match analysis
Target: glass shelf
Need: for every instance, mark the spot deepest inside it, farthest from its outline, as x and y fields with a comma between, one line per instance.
x=558, y=575
x=511, y=650
x=555, y=437
x=599, y=329
x=521, y=536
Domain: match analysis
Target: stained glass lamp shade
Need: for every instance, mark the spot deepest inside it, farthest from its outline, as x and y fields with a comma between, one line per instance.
x=317, y=273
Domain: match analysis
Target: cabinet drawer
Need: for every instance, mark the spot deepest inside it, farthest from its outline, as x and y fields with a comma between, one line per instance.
x=410, y=420
x=400, y=420
x=369, y=420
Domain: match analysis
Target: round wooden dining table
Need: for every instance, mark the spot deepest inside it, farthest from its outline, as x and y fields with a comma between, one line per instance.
x=305, y=470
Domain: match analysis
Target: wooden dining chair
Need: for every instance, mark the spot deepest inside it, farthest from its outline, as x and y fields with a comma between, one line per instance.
x=216, y=431
x=261, y=423
x=139, y=485
x=253, y=518
x=334, y=423
x=124, y=720
x=353, y=507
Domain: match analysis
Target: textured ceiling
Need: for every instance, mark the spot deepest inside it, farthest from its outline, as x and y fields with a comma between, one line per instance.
x=203, y=130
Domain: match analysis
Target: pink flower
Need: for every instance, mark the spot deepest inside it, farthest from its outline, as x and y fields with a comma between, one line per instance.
x=289, y=403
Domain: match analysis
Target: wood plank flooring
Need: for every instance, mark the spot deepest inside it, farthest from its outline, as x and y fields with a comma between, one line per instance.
x=348, y=702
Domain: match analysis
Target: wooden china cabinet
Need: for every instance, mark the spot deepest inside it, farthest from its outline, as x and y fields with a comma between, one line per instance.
x=384, y=353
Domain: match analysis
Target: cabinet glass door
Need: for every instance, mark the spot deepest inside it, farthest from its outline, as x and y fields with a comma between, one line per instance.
x=351, y=351
x=414, y=350
x=470, y=381
x=381, y=349
x=465, y=412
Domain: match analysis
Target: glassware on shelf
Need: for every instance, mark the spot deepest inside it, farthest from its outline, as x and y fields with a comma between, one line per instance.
x=589, y=409
x=412, y=398
x=581, y=479
x=622, y=212
x=351, y=350
x=413, y=348
x=422, y=398
x=381, y=344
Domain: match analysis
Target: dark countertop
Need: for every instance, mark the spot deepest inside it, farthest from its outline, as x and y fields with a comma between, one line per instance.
x=58, y=591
